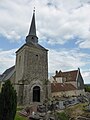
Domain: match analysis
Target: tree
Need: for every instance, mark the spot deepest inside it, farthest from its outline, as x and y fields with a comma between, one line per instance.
x=87, y=88
x=8, y=102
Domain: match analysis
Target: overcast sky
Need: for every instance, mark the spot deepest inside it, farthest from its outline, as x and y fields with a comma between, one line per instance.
x=63, y=27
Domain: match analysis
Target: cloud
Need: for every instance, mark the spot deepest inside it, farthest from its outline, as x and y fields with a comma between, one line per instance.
x=14, y=21
x=57, y=21
x=66, y=22
x=58, y=60
x=67, y=60
x=11, y=35
x=7, y=59
x=85, y=44
x=86, y=76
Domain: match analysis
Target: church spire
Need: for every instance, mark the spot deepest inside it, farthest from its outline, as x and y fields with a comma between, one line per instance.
x=32, y=37
x=32, y=30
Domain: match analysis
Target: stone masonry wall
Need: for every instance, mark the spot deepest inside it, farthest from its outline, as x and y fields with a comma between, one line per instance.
x=31, y=70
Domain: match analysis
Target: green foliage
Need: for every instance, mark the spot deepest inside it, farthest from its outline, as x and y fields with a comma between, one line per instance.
x=62, y=116
x=18, y=117
x=87, y=88
x=20, y=108
x=8, y=102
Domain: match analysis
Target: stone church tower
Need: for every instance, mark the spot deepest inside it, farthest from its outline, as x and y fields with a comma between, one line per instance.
x=31, y=69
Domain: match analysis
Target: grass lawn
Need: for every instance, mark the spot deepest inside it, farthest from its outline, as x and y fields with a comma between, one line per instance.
x=76, y=110
x=62, y=116
x=18, y=117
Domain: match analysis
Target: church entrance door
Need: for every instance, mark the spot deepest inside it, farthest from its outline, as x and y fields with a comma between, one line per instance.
x=36, y=94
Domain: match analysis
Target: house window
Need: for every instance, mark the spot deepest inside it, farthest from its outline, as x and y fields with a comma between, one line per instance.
x=36, y=57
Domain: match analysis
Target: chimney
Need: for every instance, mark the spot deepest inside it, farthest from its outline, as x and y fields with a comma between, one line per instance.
x=56, y=71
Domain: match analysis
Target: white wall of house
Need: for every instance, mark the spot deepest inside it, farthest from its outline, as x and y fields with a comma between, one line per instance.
x=59, y=80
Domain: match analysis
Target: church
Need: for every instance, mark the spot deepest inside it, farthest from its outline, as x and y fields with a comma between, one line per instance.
x=29, y=75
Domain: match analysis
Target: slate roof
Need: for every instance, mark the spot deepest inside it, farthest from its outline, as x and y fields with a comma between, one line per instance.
x=8, y=73
x=69, y=75
x=32, y=30
x=34, y=45
x=58, y=87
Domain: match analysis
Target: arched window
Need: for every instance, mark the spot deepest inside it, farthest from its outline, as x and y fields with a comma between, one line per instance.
x=36, y=94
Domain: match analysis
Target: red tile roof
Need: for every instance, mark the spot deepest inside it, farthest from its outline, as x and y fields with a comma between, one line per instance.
x=58, y=87
x=69, y=75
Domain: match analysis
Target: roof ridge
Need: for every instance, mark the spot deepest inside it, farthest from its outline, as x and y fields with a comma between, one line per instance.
x=69, y=71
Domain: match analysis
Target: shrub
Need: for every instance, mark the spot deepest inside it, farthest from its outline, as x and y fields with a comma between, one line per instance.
x=8, y=102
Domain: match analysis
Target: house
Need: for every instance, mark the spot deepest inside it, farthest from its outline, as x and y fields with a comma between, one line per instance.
x=69, y=83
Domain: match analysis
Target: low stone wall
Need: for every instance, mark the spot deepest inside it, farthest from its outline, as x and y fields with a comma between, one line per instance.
x=68, y=93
